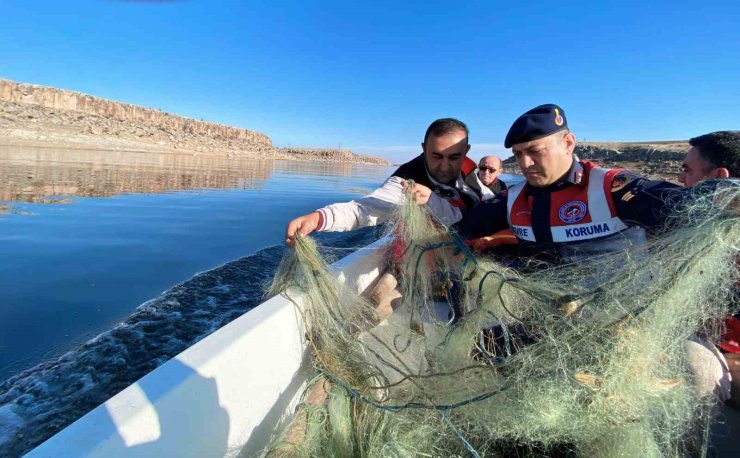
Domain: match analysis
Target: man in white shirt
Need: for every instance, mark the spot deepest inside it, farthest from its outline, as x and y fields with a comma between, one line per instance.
x=443, y=166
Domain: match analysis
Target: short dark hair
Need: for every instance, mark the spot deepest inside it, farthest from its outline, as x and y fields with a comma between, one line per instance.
x=720, y=149
x=445, y=126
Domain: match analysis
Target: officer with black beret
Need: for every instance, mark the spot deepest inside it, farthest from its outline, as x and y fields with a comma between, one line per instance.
x=567, y=209
x=570, y=210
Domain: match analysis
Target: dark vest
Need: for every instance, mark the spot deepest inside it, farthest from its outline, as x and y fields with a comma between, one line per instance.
x=497, y=187
x=416, y=170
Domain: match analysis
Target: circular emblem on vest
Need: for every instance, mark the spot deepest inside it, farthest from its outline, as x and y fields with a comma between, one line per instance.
x=572, y=212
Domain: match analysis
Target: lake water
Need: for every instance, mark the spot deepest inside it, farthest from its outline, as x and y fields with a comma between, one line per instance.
x=113, y=262
x=89, y=236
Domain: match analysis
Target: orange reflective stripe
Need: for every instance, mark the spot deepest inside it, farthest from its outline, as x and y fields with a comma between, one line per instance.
x=502, y=237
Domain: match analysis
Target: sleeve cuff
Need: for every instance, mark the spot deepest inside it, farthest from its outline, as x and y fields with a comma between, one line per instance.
x=323, y=219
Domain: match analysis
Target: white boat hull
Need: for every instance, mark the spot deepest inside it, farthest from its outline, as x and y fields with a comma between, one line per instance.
x=224, y=396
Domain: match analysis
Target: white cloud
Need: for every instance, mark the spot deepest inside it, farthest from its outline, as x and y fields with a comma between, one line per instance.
x=399, y=154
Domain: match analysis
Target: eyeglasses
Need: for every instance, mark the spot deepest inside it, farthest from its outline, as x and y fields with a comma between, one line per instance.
x=487, y=169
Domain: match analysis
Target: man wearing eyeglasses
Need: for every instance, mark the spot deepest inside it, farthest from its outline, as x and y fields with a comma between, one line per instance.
x=489, y=170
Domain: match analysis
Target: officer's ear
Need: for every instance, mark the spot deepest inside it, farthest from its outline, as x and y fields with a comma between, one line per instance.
x=467, y=149
x=570, y=141
x=721, y=172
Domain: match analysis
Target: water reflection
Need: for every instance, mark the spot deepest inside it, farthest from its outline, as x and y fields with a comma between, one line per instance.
x=39, y=175
x=70, y=273
x=342, y=169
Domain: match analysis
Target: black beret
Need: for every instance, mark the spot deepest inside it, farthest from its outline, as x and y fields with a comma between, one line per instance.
x=538, y=122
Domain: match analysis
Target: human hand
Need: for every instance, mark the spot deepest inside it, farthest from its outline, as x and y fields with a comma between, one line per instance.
x=304, y=225
x=419, y=192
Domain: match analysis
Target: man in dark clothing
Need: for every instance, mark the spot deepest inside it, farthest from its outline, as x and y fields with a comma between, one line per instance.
x=712, y=155
x=717, y=155
x=489, y=171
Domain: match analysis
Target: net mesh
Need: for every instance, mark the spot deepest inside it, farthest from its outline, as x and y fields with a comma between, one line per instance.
x=481, y=359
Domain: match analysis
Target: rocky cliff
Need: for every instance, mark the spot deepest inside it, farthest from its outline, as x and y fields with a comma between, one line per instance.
x=634, y=151
x=32, y=115
x=653, y=159
x=332, y=155
x=50, y=97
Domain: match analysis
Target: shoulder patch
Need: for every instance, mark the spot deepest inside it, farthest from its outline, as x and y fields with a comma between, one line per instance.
x=619, y=182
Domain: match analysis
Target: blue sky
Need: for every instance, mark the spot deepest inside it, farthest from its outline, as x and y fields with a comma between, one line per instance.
x=372, y=75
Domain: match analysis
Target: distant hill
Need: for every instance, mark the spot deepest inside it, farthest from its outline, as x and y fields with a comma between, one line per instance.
x=35, y=115
x=656, y=159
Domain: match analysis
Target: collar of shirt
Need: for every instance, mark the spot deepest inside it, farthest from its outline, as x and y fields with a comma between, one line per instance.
x=575, y=174
x=574, y=177
x=448, y=192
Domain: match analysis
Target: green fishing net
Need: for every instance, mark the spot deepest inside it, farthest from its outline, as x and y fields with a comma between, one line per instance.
x=482, y=357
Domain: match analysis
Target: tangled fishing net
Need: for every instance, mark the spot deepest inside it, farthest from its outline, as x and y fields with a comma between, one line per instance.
x=586, y=359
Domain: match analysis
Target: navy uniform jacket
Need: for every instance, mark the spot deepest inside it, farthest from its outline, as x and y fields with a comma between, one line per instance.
x=637, y=200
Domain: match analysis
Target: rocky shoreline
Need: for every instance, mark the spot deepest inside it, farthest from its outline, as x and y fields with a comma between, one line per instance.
x=39, y=116
x=658, y=160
